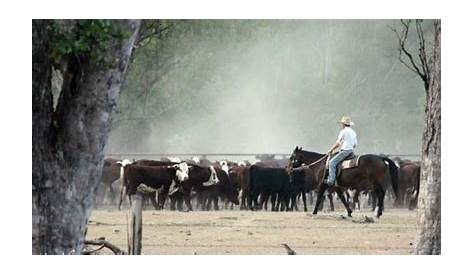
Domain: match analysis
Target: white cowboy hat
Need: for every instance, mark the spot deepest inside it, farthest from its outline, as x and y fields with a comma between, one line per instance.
x=346, y=120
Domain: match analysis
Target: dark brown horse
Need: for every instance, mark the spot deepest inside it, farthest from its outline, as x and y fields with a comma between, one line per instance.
x=368, y=175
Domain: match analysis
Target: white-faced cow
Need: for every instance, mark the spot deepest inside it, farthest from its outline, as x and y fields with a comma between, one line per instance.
x=155, y=177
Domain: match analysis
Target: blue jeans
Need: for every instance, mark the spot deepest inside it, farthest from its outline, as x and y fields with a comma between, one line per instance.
x=335, y=160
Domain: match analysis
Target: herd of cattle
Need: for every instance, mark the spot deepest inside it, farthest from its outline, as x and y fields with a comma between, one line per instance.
x=170, y=182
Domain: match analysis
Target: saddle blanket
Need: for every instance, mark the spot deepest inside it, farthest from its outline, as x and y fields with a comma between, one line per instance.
x=346, y=164
x=349, y=163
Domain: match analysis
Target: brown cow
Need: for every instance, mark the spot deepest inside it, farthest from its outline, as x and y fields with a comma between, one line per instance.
x=242, y=179
x=156, y=177
x=409, y=174
x=110, y=174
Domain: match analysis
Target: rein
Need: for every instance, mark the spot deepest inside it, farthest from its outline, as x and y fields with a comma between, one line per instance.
x=316, y=162
x=312, y=164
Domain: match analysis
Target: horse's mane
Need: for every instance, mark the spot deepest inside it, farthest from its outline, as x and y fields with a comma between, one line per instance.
x=311, y=153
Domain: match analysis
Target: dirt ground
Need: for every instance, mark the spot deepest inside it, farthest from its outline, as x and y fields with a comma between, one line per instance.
x=261, y=232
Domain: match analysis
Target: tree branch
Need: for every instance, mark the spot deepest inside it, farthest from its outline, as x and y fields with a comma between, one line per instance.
x=422, y=52
x=422, y=72
x=102, y=243
x=152, y=28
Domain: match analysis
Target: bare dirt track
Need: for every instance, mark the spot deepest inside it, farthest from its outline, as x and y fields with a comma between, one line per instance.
x=261, y=232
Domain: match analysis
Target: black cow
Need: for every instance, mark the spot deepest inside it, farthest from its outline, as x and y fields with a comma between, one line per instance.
x=268, y=181
x=198, y=177
x=224, y=189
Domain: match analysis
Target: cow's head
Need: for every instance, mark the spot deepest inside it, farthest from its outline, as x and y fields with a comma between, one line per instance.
x=182, y=171
x=123, y=187
x=124, y=162
x=233, y=195
x=224, y=166
x=213, y=177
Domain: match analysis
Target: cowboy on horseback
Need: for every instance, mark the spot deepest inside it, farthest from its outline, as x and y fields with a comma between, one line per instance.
x=346, y=142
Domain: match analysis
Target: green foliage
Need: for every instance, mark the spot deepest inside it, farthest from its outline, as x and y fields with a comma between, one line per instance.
x=81, y=38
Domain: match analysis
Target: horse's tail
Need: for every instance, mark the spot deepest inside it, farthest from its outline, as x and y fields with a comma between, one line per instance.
x=394, y=176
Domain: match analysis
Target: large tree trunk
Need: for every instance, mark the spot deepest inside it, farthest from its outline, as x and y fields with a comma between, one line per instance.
x=68, y=143
x=429, y=212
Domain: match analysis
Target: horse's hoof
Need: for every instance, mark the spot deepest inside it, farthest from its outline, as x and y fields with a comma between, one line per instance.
x=315, y=212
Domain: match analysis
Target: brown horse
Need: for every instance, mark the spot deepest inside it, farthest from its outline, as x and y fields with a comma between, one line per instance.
x=303, y=180
x=368, y=175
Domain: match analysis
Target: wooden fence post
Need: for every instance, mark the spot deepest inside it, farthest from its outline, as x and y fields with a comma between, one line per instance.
x=135, y=225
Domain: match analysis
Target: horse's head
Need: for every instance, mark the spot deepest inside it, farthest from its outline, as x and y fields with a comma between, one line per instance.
x=295, y=159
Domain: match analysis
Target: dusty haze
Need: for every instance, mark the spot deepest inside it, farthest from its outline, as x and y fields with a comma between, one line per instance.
x=262, y=86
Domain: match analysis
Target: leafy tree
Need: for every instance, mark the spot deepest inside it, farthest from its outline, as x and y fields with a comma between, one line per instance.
x=69, y=139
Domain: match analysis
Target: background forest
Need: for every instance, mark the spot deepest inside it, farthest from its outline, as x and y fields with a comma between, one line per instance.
x=264, y=86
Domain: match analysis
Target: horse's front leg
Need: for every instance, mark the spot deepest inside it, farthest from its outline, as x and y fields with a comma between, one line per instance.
x=331, y=201
x=319, y=198
x=343, y=200
x=303, y=195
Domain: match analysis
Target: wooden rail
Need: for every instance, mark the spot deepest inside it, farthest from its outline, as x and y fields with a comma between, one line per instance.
x=226, y=154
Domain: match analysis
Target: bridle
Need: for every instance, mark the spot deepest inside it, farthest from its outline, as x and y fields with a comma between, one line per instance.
x=312, y=164
x=326, y=156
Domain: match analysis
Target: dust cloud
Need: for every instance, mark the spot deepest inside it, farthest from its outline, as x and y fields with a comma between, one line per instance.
x=265, y=86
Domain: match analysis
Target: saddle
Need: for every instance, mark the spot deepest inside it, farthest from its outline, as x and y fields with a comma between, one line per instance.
x=350, y=161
